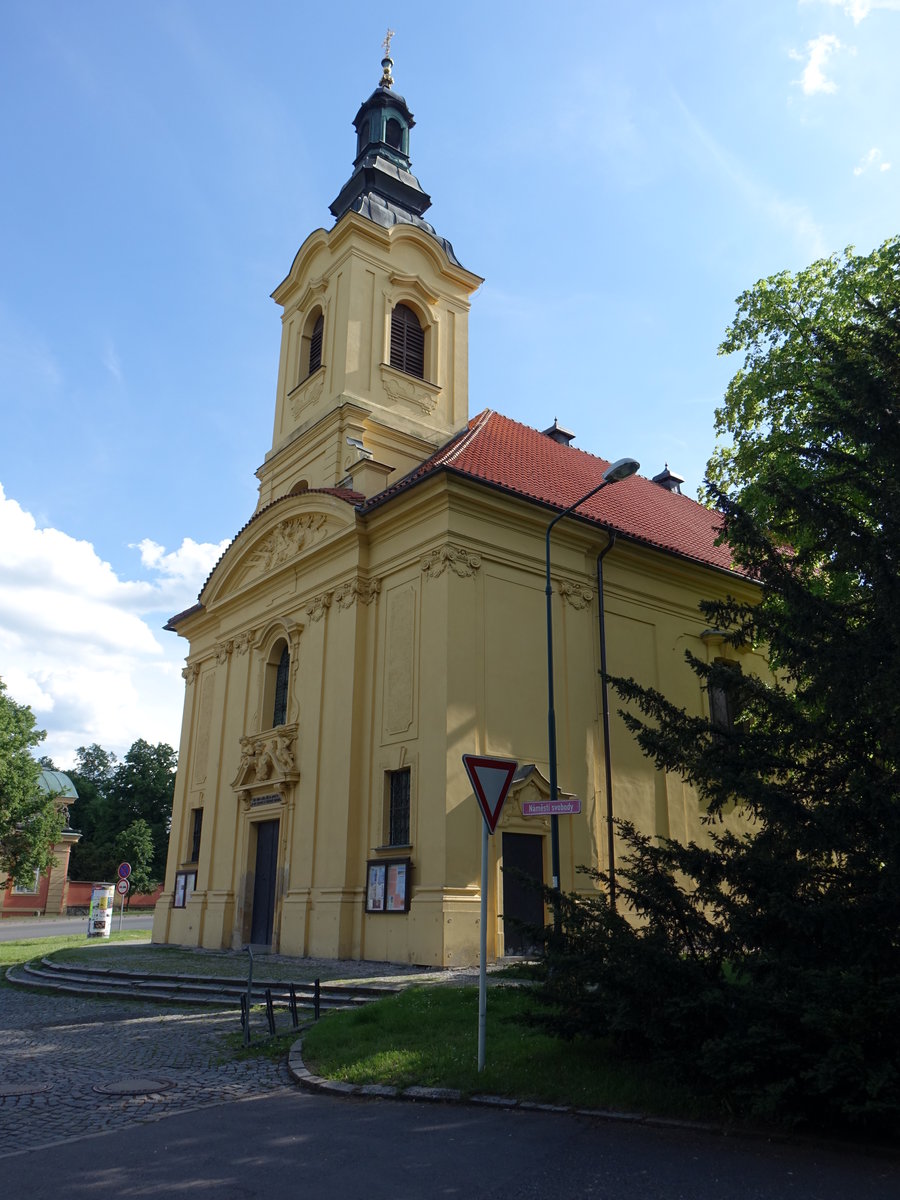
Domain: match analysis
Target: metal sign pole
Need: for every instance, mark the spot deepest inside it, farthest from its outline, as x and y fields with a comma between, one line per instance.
x=482, y=970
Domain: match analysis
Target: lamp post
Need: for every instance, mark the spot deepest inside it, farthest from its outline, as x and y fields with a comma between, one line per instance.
x=619, y=470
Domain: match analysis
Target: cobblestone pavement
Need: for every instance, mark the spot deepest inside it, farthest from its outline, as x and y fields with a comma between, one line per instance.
x=72, y=1066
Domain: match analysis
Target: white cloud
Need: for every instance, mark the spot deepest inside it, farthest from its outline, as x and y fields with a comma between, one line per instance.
x=75, y=641
x=112, y=362
x=871, y=160
x=186, y=565
x=818, y=52
x=790, y=215
x=858, y=10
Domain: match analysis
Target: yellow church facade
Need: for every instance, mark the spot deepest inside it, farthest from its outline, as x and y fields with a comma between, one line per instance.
x=382, y=613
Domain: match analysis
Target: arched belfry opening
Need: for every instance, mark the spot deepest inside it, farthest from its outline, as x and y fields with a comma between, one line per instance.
x=375, y=324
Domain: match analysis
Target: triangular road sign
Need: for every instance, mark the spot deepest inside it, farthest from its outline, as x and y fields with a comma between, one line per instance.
x=490, y=779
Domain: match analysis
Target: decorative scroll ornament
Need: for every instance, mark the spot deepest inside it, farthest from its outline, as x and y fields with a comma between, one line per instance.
x=463, y=563
x=222, y=650
x=364, y=590
x=285, y=541
x=401, y=387
x=306, y=394
x=318, y=606
x=243, y=641
x=269, y=758
x=575, y=594
x=190, y=672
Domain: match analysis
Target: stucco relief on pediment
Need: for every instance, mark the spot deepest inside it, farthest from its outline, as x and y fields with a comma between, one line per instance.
x=279, y=545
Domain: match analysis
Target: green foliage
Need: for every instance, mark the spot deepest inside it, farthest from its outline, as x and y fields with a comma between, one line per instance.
x=764, y=966
x=112, y=797
x=30, y=822
x=143, y=786
x=134, y=845
x=91, y=857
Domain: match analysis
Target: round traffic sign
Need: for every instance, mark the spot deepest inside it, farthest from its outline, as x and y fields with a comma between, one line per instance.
x=124, y=870
x=122, y=887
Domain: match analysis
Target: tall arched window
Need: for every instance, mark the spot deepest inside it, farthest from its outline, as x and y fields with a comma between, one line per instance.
x=279, y=716
x=315, y=344
x=407, y=342
x=393, y=133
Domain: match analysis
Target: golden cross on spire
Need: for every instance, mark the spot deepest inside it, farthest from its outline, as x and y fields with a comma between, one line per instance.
x=387, y=79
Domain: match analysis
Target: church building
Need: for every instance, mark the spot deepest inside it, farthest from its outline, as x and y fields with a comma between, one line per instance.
x=382, y=613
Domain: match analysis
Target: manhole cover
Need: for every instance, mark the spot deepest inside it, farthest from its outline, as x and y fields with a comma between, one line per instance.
x=23, y=1089
x=138, y=1086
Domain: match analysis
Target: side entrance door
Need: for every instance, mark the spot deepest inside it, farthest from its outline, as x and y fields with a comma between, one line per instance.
x=263, y=916
x=522, y=852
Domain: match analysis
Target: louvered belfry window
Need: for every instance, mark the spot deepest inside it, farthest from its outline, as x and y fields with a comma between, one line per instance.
x=315, y=344
x=281, y=689
x=407, y=342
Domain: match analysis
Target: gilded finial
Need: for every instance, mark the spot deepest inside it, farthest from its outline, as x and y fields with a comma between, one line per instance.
x=387, y=79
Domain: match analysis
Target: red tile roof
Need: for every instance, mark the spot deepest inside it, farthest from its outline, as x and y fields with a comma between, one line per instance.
x=515, y=458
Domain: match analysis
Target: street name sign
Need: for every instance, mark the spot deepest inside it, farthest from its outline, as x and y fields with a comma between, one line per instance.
x=490, y=779
x=551, y=808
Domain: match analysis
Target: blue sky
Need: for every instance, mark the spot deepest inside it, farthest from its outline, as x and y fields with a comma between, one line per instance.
x=618, y=173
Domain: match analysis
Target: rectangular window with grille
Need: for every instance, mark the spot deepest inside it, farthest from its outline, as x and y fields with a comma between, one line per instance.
x=196, y=829
x=398, y=812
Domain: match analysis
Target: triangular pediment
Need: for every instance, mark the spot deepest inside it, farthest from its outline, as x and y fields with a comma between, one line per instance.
x=277, y=538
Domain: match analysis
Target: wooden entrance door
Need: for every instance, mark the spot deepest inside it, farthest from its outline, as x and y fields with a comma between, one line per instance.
x=522, y=852
x=263, y=915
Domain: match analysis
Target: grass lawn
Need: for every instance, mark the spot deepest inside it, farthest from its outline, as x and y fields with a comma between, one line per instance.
x=429, y=1036
x=13, y=954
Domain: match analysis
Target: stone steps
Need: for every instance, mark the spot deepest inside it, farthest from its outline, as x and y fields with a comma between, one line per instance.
x=188, y=989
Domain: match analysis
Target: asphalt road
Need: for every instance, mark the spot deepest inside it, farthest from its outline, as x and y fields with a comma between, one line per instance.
x=291, y=1144
x=14, y=928
x=103, y=1098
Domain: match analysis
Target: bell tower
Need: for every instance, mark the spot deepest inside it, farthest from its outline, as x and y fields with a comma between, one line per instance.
x=374, y=344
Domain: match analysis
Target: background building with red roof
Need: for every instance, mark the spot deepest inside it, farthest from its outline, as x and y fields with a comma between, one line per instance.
x=382, y=613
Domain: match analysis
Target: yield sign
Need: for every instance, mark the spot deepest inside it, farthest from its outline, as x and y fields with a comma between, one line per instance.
x=490, y=779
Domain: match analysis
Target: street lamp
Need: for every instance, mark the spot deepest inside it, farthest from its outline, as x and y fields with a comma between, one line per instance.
x=613, y=474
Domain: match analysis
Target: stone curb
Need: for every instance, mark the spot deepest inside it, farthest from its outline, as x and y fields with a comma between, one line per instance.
x=301, y=1074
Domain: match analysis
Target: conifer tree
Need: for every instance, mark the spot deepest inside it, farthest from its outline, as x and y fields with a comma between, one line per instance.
x=764, y=965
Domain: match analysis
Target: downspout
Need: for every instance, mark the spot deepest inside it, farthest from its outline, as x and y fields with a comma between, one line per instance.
x=604, y=708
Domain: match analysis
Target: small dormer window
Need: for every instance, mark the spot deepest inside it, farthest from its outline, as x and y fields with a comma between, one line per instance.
x=407, y=342
x=393, y=134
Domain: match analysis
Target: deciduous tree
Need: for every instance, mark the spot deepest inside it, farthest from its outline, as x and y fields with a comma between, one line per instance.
x=30, y=823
